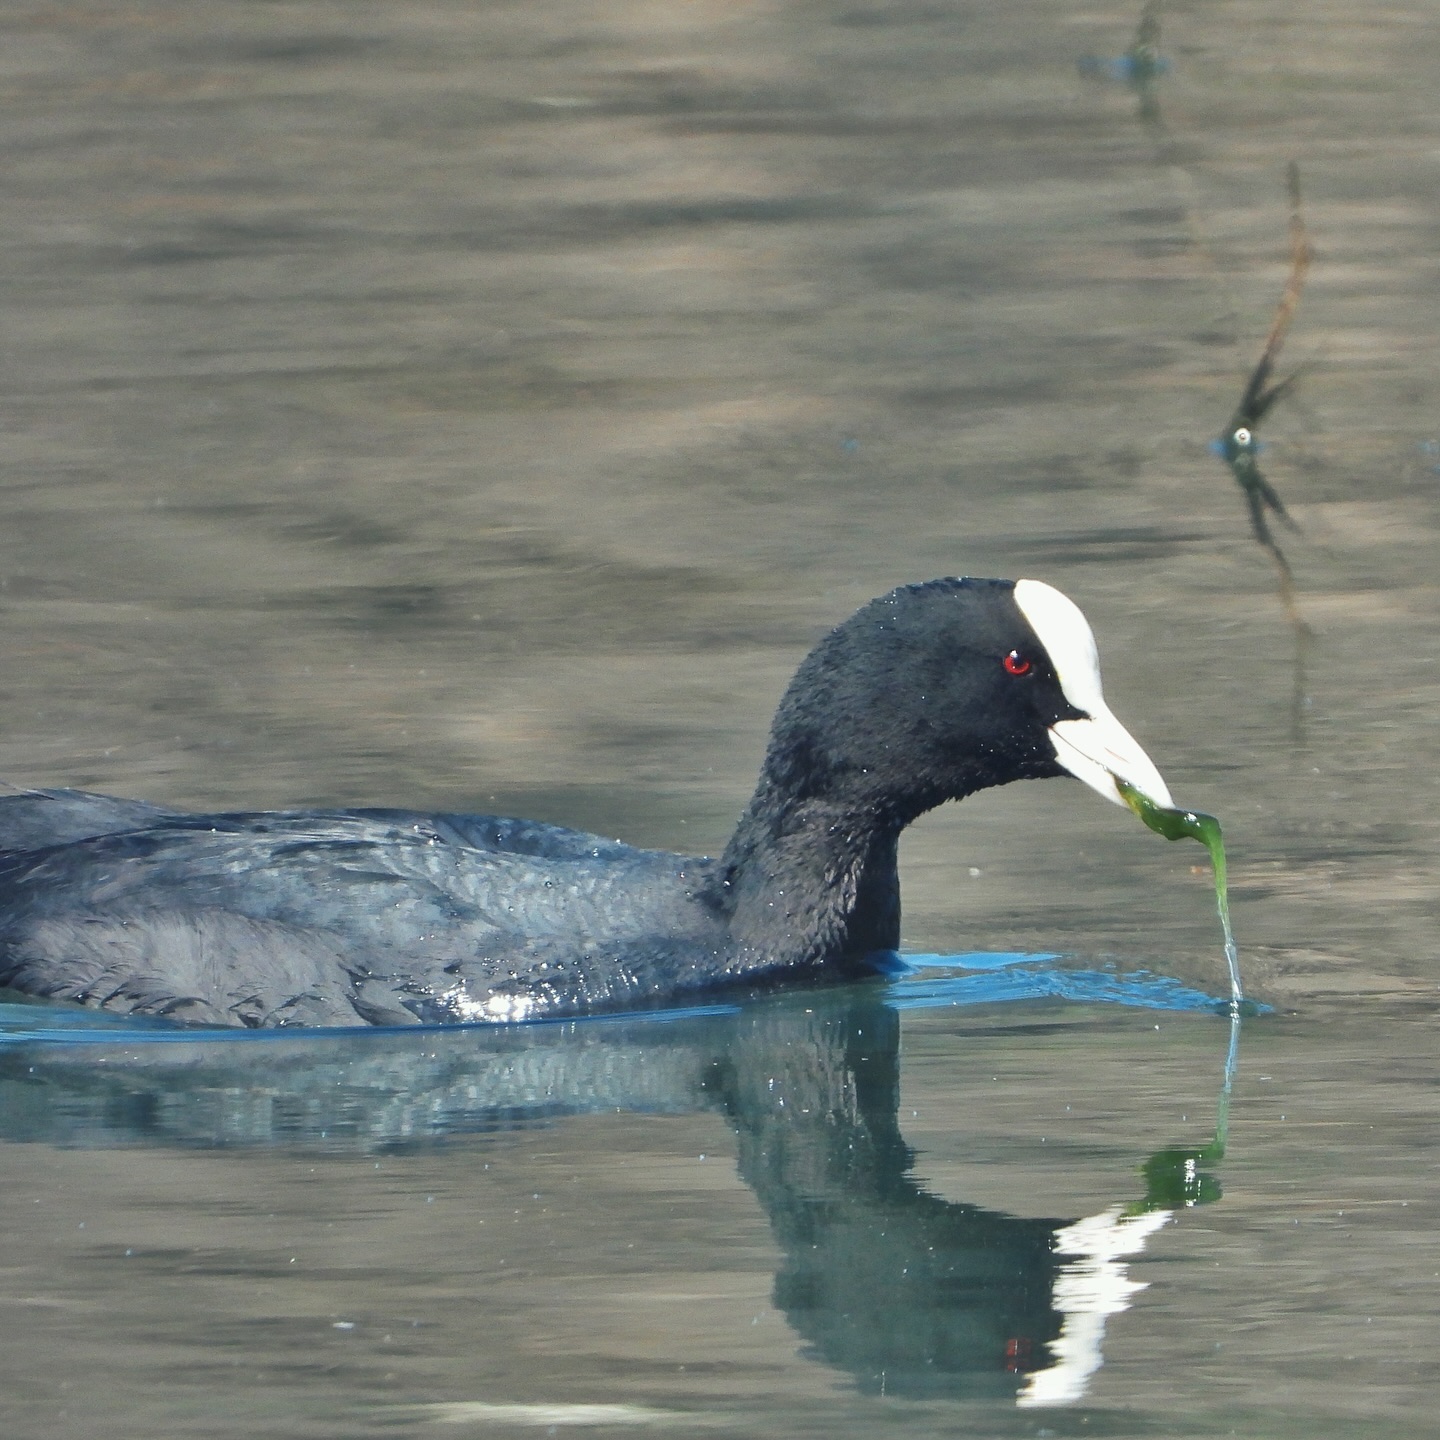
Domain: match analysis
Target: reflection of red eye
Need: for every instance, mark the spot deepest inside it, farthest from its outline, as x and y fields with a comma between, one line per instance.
x=1016, y=664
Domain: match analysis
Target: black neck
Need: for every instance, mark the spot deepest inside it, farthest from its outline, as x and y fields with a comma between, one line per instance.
x=809, y=881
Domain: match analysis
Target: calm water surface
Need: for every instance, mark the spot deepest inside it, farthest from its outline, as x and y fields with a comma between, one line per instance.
x=485, y=407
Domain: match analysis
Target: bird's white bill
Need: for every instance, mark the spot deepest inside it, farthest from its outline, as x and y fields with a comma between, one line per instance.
x=1099, y=750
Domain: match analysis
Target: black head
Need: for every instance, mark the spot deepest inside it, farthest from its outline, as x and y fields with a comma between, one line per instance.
x=938, y=690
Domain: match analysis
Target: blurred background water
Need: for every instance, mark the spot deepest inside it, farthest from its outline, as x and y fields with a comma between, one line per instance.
x=484, y=407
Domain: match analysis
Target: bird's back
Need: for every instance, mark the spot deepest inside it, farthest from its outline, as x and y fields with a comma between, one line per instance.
x=338, y=917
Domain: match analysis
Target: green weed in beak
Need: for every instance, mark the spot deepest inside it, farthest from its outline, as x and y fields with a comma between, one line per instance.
x=1176, y=824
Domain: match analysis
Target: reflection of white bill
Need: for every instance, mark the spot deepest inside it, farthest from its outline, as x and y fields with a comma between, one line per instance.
x=1087, y=1290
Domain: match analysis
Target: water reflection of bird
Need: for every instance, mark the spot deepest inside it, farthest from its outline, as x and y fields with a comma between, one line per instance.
x=910, y=1293
x=1238, y=445
x=337, y=917
x=906, y=1291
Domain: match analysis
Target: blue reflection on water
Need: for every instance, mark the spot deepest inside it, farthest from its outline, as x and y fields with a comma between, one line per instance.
x=988, y=979
x=917, y=982
x=1133, y=68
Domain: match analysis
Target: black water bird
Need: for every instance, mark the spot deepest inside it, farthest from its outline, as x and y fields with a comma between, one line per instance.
x=344, y=917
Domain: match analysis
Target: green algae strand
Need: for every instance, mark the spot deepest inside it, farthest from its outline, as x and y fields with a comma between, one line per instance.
x=1176, y=824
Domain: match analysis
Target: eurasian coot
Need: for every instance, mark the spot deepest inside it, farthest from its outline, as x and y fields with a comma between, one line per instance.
x=388, y=917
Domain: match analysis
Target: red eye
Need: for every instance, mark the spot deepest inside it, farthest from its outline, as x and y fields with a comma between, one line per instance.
x=1016, y=664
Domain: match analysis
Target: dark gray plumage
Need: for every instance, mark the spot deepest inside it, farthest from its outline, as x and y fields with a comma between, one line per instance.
x=393, y=917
